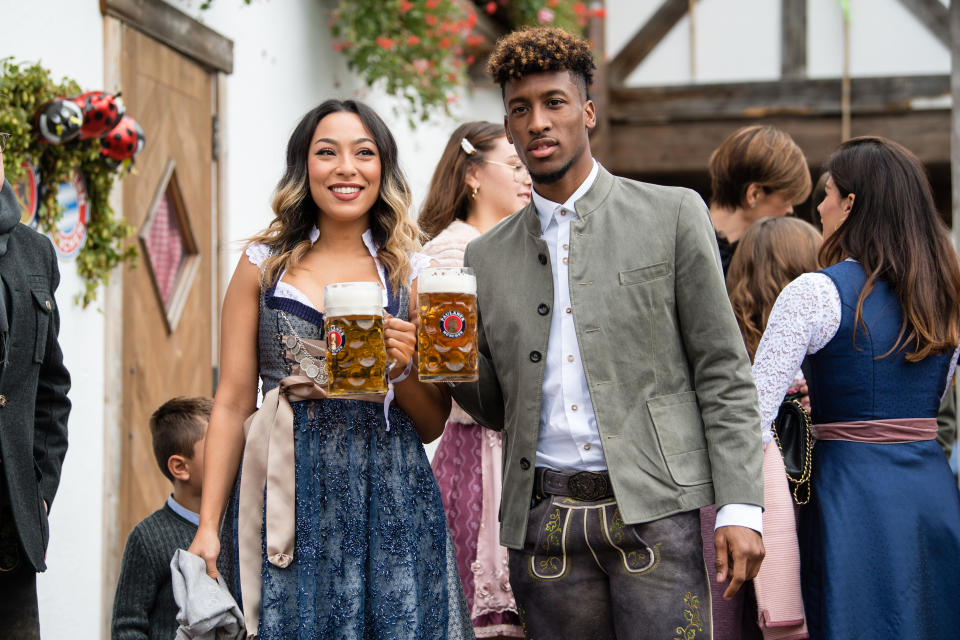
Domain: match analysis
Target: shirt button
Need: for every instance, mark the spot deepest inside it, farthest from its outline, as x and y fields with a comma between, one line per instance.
x=586, y=447
x=565, y=247
x=542, y=258
x=569, y=310
x=573, y=407
x=535, y=356
x=570, y=358
x=47, y=305
x=563, y=212
x=524, y=464
x=543, y=309
x=564, y=259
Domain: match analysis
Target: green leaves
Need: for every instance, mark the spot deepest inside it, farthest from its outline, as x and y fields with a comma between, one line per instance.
x=24, y=88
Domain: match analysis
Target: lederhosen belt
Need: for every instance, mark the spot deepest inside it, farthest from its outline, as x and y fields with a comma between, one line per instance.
x=582, y=485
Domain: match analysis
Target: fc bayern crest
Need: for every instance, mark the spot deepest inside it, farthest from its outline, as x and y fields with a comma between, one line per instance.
x=71, y=232
x=452, y=324
x=27, y=191
x=335, y=338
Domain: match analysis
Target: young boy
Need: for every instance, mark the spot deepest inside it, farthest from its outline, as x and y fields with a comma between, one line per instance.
x=143, y=606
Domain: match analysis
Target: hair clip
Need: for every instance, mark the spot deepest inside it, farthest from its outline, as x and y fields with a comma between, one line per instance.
x=468, y=148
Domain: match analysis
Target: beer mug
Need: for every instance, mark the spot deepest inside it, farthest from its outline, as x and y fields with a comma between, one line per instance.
x=447, y=338
x=356, y=352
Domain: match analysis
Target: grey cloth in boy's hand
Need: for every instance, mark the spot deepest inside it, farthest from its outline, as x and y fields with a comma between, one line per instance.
x=207, y=610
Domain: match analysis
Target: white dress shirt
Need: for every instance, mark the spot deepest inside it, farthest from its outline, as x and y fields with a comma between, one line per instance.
x=568, y=436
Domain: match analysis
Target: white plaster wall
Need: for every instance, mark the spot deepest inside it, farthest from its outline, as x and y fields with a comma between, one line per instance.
x=70, y=590
x=740, y=40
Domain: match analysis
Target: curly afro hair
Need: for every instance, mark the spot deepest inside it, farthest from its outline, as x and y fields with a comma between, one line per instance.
x=541, y=49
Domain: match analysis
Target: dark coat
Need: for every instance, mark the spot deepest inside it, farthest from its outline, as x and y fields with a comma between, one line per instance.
x=33, y=388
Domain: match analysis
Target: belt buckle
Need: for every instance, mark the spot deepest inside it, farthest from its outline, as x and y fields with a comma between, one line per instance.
x=587, y=486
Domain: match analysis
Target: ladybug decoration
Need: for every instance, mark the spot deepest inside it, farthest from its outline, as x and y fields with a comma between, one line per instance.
x=123, y=142
x=59, y=121
x=101, y=113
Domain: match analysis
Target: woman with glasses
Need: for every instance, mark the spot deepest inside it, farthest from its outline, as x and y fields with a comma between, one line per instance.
x=478, y=182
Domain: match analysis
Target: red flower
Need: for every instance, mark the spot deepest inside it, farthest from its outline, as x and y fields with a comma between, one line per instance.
x=451, y=77
x=472, y=20
x=405, y=5
x=431, y=19
x=470, y=60
x=580, y=8
x=385, y=43
x=552, y=3
x=413, y=41
x=599, y=13
x=444, y=43
x=474, y=39
x=432, y=4
x=491, y=7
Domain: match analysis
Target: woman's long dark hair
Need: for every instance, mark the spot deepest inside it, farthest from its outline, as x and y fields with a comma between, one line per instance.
x=894, y=231
x=296, y=212
x=449, y=195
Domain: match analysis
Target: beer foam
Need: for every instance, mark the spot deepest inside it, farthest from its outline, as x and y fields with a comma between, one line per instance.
x=446, y=280
x=352, y=299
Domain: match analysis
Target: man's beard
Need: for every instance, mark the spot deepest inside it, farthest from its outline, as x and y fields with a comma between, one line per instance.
x=553, y=176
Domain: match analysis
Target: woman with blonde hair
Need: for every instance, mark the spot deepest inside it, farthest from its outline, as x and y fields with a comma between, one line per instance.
x=342, y=502
x=478, y=182
x=757, y=172
x=877, y=332
x=772, y=253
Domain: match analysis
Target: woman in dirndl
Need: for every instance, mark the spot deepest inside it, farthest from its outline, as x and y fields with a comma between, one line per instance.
x=877, y=332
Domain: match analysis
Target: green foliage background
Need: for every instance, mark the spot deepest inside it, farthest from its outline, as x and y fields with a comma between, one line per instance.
x=24, y=88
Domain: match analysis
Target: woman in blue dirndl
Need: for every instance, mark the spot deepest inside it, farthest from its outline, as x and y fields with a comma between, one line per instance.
x=335, y=527
x=877, y=332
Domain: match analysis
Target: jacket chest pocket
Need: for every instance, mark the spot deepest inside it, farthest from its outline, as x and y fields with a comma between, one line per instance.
x=43, y=306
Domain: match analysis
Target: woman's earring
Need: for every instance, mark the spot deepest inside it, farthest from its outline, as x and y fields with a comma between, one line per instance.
x=473, y=194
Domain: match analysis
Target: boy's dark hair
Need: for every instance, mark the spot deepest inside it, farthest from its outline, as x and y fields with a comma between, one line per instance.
x=176, y=426
x=539, y=50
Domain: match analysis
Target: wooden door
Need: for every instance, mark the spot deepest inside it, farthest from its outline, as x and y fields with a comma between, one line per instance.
x=168, y=303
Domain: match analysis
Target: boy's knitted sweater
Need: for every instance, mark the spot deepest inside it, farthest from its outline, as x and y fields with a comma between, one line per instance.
x=143, y=606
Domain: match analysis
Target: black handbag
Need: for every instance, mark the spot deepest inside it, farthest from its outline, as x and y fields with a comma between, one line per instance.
x=791, y=430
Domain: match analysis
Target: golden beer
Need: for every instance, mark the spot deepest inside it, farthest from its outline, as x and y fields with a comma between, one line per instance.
x=356, y=353
x=447, y=338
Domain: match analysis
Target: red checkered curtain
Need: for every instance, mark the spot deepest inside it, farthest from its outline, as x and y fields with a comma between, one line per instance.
x=165, y=247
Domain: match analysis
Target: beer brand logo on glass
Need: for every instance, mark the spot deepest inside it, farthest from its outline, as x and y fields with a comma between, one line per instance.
x=335, y=339
x=452, y=324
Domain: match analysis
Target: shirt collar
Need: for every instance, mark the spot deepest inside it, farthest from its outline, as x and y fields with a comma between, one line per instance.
x=182, y=511
x=546, y=209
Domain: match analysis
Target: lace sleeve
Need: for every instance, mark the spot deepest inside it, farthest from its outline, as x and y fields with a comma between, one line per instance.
x=418, y=261
x=804, y=319
x=257, y=252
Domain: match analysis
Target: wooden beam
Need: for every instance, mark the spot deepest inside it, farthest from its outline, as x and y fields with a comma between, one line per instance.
x=933, y=15
x=767, y=99
x=644, y=40
x=174, y=29
x=662, y=148
x=793, y=38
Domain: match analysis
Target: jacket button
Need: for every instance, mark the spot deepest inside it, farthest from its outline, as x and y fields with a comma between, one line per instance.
x=543, y=309
x=3, y=400
x=535, y=356
x=47, y=304
x=524, y=464
x=542, y=258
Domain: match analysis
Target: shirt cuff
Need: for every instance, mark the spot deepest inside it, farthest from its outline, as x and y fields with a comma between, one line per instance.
x=740, y=515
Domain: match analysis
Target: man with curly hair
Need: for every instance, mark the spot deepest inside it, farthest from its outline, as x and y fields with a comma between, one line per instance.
x=611, y=360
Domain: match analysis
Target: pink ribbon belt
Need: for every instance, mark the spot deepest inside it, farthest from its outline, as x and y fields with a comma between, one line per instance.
x=891, y=431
